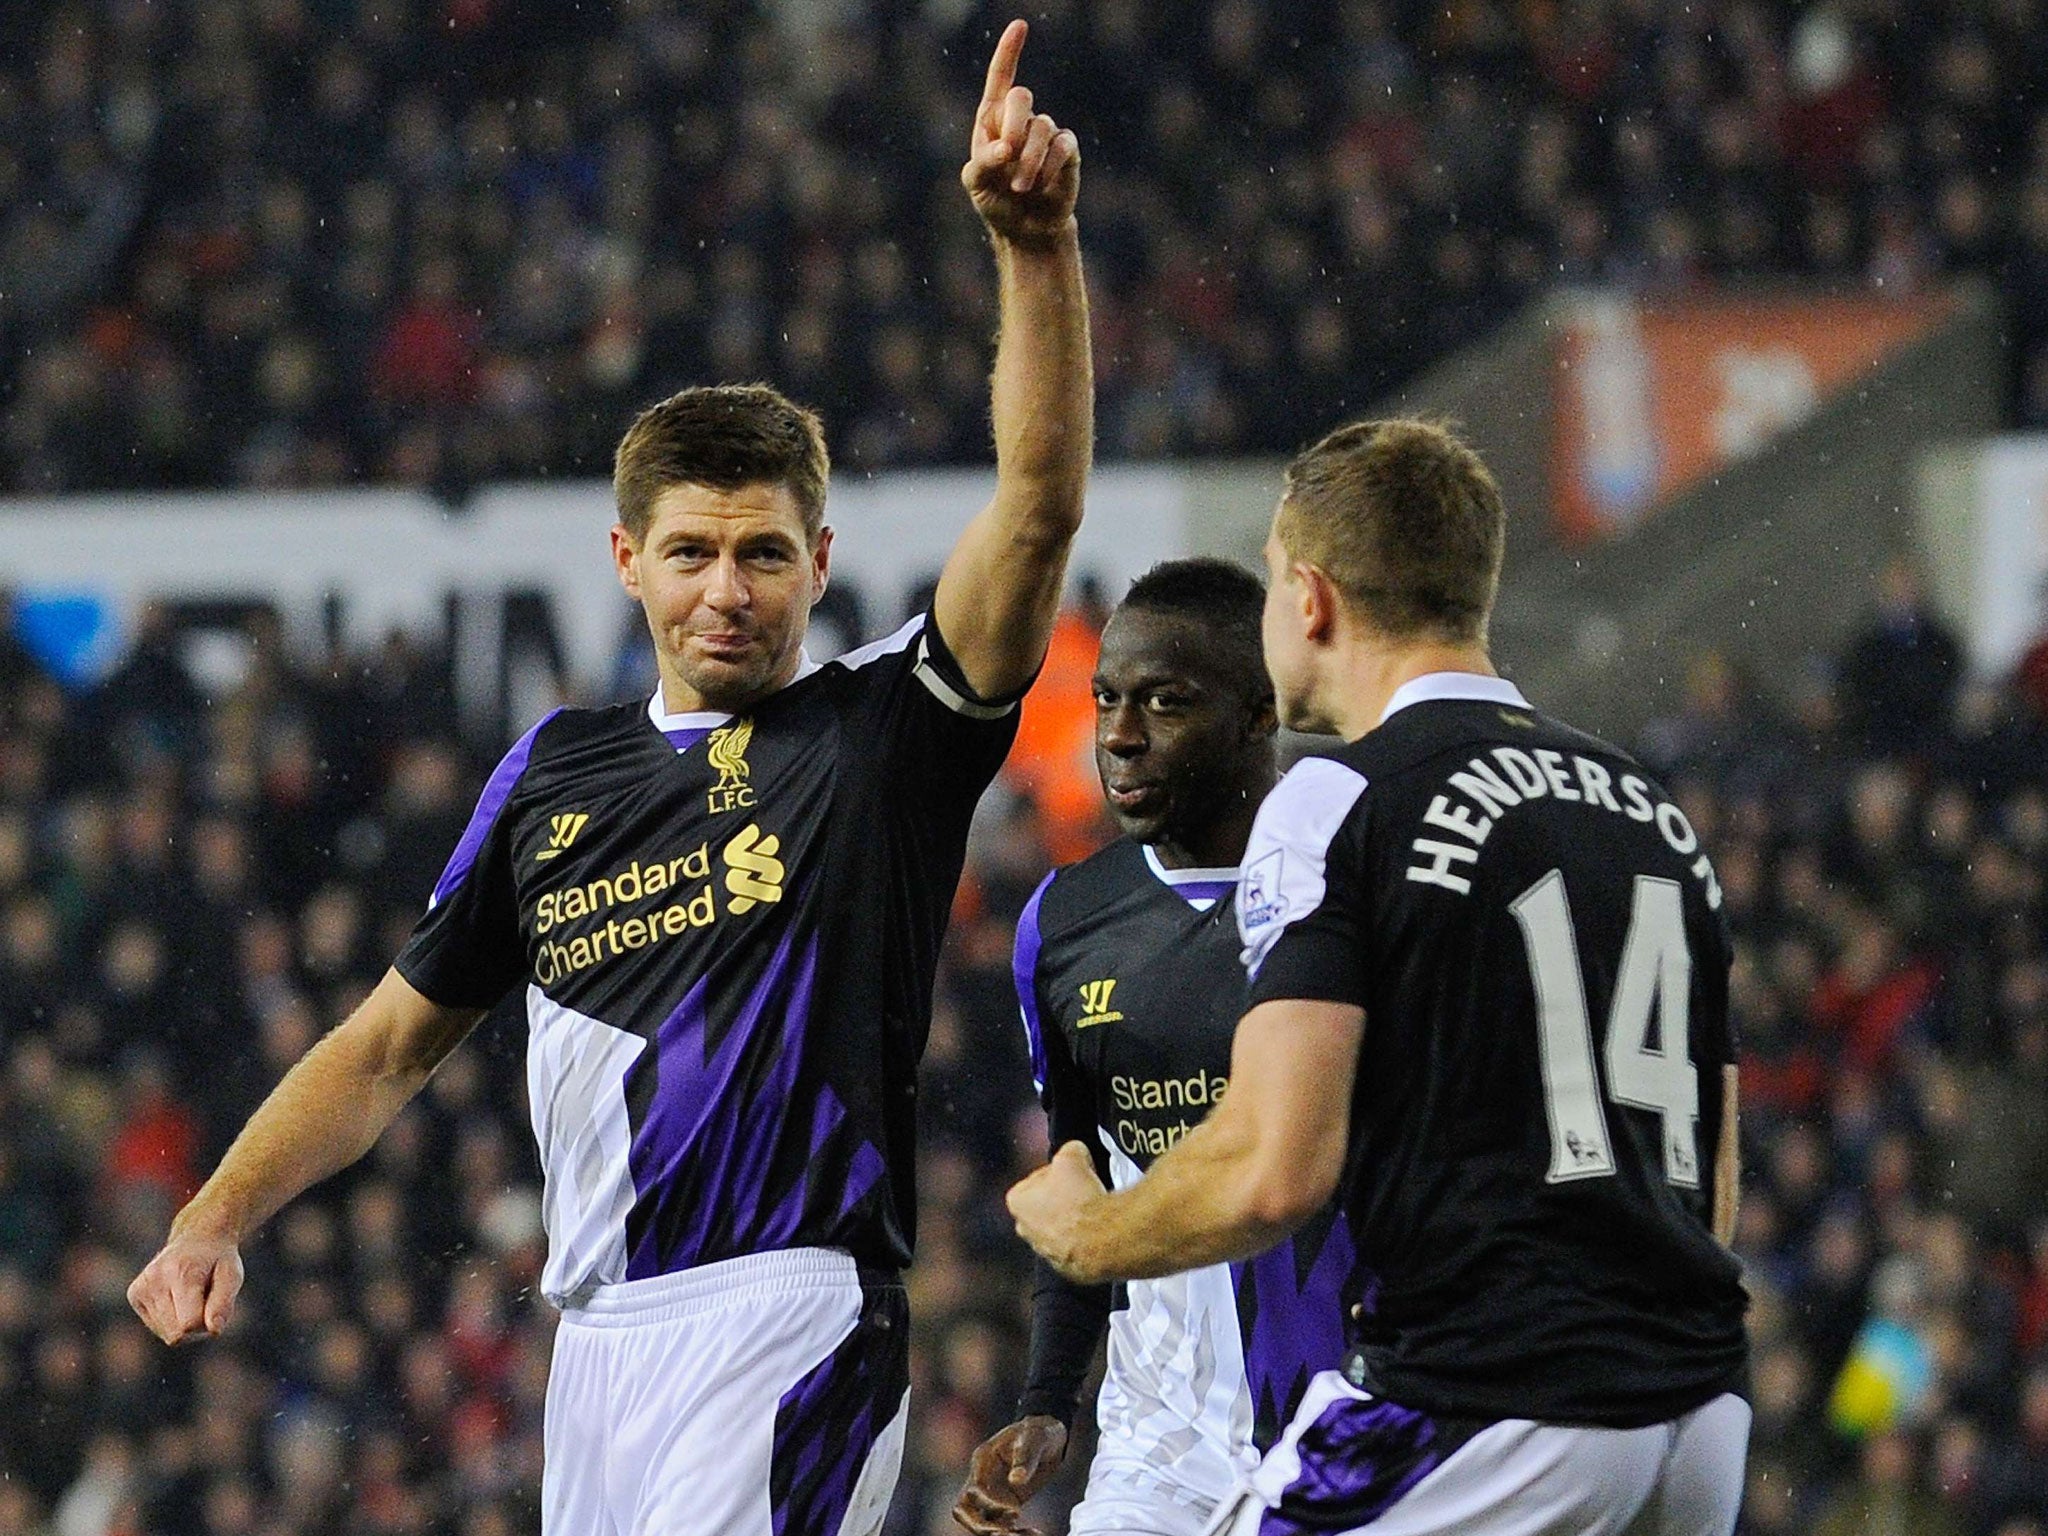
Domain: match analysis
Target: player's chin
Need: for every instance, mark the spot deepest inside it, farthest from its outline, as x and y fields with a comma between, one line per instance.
x=730, y=681
x=1301, y=714
x=1146, y=822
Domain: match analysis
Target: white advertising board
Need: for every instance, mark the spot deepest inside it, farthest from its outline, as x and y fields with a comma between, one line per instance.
x=2010, y=596
x=385, y=559
x=1982, y=516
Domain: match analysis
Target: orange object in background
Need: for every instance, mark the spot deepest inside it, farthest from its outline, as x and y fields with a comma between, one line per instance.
x=1054, y=759
x=1652, y=397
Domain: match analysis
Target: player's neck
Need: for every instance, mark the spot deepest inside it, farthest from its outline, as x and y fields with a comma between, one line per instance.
x=1220, y=842
x=678, y=697
x=1370, y=672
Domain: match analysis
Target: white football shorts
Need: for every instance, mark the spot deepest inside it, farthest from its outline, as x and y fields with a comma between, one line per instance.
x=758, y=1396
x=1350, y=1462
x=1127, y=1497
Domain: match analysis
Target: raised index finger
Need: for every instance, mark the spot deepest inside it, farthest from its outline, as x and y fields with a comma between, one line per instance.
x=1002, y=67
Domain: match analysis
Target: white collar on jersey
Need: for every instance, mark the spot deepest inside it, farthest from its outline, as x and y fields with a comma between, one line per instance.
x=1187, y=882
x=1187, y=876
x=705, y=719
x=1432, y=686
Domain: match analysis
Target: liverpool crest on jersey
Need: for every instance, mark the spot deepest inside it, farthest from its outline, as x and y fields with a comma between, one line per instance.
x=726, y=750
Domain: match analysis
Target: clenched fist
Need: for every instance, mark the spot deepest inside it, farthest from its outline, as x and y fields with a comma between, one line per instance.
x=188, y=1290
x=1008, y=1469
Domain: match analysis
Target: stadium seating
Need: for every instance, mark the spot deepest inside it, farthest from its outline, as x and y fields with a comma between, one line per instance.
x=445, y=241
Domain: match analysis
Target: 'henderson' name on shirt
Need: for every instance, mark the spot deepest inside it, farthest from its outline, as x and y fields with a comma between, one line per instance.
x=1515, y=777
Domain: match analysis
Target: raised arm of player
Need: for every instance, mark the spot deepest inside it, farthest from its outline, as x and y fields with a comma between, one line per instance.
x=326, y=1113
x=1267, y=1158
x=1000, y=590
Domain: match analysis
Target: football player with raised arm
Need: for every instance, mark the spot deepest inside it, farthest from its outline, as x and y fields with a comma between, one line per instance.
x=723, y=908
x=1129, y=984
x=1489, y=1010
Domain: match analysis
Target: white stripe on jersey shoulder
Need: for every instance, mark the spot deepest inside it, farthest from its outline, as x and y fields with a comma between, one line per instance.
x=888, y=645
x=1284, y=864
x=924, y=671
x=1474, y=686
x=1187, y=876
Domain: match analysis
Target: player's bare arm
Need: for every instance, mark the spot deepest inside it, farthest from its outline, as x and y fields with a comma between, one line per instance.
x=1266, y=1159
x=327, y=1112
x=1728, y=1160
x=1000, y=590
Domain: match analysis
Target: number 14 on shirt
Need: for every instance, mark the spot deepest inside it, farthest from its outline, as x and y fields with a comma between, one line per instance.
x=1655, y=974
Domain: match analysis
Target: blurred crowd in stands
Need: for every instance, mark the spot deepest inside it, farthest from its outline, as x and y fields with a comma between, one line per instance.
x=192, y=888
x=287, y=242
x=1882, y=847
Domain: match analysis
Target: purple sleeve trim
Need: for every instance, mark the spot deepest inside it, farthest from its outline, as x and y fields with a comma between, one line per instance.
x=1024, y=968
x=497, y=790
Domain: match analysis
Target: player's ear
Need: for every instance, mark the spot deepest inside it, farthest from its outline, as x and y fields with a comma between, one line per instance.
x=1318, y=602
x=821, y=564
x=627, y=559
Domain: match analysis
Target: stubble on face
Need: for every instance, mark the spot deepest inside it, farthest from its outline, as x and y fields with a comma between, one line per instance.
x=727, y=579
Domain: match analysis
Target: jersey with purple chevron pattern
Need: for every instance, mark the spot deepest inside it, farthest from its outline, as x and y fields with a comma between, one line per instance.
x=1130, y=986
x=727, y=930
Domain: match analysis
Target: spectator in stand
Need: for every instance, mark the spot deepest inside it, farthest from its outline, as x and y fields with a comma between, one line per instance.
x=2030, y=677
x=1053, y=759
x=1889, y=1494
x=1900, y=676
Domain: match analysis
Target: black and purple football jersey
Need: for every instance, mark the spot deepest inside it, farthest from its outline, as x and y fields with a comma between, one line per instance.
x=727, y=928
x=1130, y=987
x=1534, y=933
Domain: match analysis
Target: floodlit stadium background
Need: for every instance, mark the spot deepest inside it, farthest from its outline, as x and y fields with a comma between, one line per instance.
x=318, y=321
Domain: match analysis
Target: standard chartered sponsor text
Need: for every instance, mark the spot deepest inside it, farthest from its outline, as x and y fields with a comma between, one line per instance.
x=1199, y=1090
x=635, y=882
x=692, y=902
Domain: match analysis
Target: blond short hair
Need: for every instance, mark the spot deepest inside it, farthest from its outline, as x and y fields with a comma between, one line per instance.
x=1405, y=521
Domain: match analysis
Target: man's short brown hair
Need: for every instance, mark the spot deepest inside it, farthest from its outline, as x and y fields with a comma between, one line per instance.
x=1405, y=521
x=724, y=436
